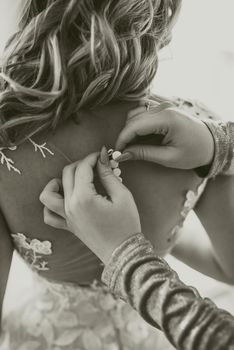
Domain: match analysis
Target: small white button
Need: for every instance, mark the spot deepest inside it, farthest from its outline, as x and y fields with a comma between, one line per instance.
x=117, y=172
x=116, y=154
x=114, y=164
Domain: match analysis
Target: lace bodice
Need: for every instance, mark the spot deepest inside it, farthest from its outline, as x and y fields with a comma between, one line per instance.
x=69, y=317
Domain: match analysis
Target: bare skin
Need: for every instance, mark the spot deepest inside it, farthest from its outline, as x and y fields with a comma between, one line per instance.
x=214, y=259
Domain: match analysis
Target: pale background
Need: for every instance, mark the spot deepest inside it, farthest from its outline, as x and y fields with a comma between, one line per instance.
x=198, y=64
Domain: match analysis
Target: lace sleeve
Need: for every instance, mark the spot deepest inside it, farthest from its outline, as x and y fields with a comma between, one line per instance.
x=223, y=135
x=138, y=276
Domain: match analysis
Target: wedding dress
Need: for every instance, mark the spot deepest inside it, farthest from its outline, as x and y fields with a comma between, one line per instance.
x=69, y=308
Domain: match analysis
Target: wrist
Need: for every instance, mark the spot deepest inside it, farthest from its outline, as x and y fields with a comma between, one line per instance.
x=108, y=249
x=209, y=147
x=121, y=254
x=208, y=153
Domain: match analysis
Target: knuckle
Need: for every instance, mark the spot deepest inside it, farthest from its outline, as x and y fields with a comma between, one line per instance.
x=105, y=173
x=53, y=181
x=42, y=197
x=76, y=204
x=66, y=169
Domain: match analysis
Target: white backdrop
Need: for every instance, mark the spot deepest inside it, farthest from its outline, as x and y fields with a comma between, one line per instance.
x=199, y=63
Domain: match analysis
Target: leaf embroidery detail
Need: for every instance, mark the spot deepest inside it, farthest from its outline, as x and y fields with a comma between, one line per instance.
x=41, y=148
x=8, y=161
x=191, y=199
x=4, y=160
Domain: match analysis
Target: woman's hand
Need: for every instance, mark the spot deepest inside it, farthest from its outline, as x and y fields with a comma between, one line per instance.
x=187, y=142
x=102, y=223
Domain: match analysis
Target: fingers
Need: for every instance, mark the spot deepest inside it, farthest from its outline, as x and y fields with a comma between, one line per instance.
x=51, y=219
x=143, y=122
x=139, y=127
x=137, y=111
x=154, y=106
x=144, y=106
x=54, y=186
x=78, y=174
x=52, y=199
x=164, y=155
x=110, y=182
x=68, y=179
x=84, y=174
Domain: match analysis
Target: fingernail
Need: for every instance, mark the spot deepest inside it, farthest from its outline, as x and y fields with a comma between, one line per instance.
x=104, y=158
x=124, y=157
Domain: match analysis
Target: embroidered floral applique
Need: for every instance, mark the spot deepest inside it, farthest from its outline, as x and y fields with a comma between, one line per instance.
x=33, y=251
x=91, y=319
x=191, y=199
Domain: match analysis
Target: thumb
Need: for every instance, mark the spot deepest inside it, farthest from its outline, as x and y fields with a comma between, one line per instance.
x=110, y=182
x=164, y=155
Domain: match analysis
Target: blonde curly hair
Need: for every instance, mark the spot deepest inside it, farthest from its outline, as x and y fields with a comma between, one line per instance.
x=74, y=54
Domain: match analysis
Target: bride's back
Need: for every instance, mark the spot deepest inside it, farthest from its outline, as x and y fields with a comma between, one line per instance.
x=160, y=194
x=67, y=57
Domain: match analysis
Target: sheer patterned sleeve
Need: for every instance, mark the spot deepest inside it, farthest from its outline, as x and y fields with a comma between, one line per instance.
x=223, y=162
x=223, y=135
x=136, y=275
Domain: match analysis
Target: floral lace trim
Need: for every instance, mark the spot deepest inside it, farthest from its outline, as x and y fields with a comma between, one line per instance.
x=10, y=163
x=74, y=317
x=190, y=201
x=33, y=250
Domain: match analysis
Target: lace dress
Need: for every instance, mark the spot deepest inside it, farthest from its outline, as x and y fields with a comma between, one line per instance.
x=59, y=316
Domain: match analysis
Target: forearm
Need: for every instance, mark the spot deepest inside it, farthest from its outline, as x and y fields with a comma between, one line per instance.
x=144, y=280
x=215, y=211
